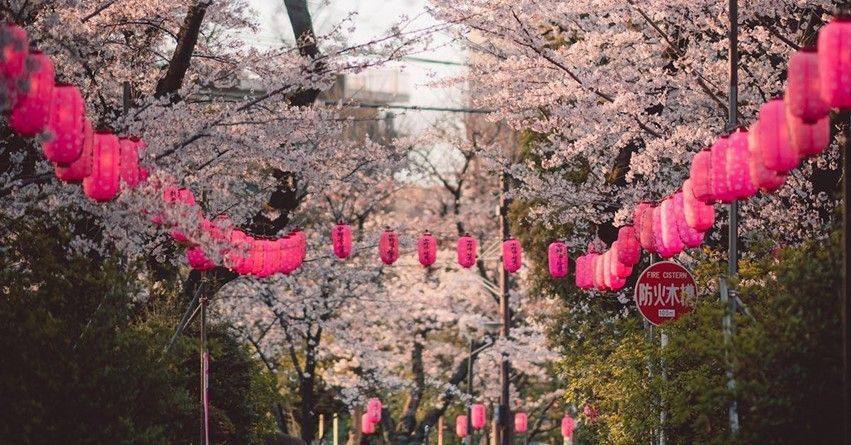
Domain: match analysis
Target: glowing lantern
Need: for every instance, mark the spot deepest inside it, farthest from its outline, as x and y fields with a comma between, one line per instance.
x=467, y=251
x=257, y=256
x=720, y=181
x=271, y=258
x=600, y=272
x=238, y=257
x=803, y=88
x=102, y=184
x=558, y=258
x=373, y=408
x=618, y=282
x=427, y=249
x=130, y=161
x=82, y=167
x=619, y=269
x=689, y=236
x=388, y=246
x=197, y=259
x=701, y=176
x=14, y=55
x=738, y=168
x=366, y=424
x=663, y=249
x=607, y=269
x=288, y=246
x=31, y=111
x=648, y=241
x=461, y=426
x=629, y=250
x=670, y=229
x=809, y=140
x=773, y=138
x=834, y=61
x=699, y=215
x=341, y=238
x=520, y=422
x=765, y=179
x=512, y=255
x=66, y=124
x=567, y=426
x=478, y=415
x=584, y=278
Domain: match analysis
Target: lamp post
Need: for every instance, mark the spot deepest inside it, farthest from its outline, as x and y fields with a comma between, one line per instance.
x=503, y=417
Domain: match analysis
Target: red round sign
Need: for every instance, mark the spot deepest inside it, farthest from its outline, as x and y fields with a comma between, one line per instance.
x=665, y=291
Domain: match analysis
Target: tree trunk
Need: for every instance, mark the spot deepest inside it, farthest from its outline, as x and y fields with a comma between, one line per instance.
x=187, y=38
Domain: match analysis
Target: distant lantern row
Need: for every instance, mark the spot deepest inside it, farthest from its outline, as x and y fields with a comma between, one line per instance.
x=478, y=420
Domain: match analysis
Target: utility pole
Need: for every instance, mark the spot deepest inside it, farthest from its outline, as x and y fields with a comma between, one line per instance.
x=205, y=376
x=504, y=418
x=733, y=251
x=469, y=439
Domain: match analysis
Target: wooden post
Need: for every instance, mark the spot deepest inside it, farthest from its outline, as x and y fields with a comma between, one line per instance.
x=336, y=430
x=321, y=433
x=440, y=430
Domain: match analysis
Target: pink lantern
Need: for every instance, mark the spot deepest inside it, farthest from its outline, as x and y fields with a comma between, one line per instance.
x=809, y=140
x=130, y=161
x=197, y=259
x=520, y=422
x=773, y=138
x=834, y=61
x=645, y=236
x=629, y=250
x=738, y=168
x=341, y=238
x=388, y=246
x=366, y=425
x=479, y=415
x=701, y=176
x=803, y=89
x=619, y=269
x=670, y=229
x=30, y=113
x=427, y=249
x=238, y=257
x=271, y=258
x=102, y=184
x=607, y=269
x=558, y=258
x=662, y=249
x=185, y=202
x=461, y=426
x=257, y=256
x=512, y=255
x=82, y=167
x=467, y=251
x=720, y=181
x=636, y=217
x=288, y=246
x=600, y=271
x=618, y=282
x=765, y=179
x=373, y=408
x=699, y=215
x=67, y=126
x=300, y=240
x=567, y=426
x=689, y=236
x=584, y=275
x=14, y=55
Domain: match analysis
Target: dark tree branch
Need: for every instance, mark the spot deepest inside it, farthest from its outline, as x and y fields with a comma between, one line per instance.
x=187, y=38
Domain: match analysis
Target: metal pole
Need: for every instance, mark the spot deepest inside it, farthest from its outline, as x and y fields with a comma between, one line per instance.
x=733, y=251
x=663, y=414
x=205, y=377
x=504, y=430
x=469, y=438
x=846, y=300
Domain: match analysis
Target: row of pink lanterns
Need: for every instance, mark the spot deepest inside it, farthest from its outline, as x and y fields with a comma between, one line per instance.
x=738, y=164
x=101, y=161
x=521, y=422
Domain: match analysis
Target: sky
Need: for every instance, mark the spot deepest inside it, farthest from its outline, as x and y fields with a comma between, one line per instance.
x=410, y=77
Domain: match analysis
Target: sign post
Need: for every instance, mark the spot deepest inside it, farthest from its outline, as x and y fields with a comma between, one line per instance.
x=665, y=291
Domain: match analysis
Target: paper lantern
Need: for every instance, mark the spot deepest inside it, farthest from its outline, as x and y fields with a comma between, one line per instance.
x=767, y=180
x=618, y=282
x=645, y=236
x=14, y=55
x=184, y=201
x=366, y=425
x=478, y=415
x=388, y=246
x=583, y=273
x=238, y=256
x=738, y=168
x=803, y=87
x=427, y=249
x=341, y=238
x=373, y=408
x=629, y=250
x=257, y=256
x=467, y=251
x=699, y=215
x=619, y=269
x=271, y=258
x=300, y=240
x=701, y=176
x=197, y=259
x=558, y=258
x=130, y=161
x=834, y=61
x=664, y=250
x=461, y=426
x=809, y=140
x=102, y=184
x=773, y=138
x=600, y=272
x=520, y=422
x=636, y=217
x=607, y=269
x=512, y=255
x=671, y=240
x=32, y=109
x=82, y=167
x=690, y=237
x=66, y=125
x=567, y=426
x=288, y=246
x=720, y=181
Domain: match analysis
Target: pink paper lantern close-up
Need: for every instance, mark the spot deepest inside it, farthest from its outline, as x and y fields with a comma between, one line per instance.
x=197, y=259
x=738, y=168
x=341, y=240
x=720, y=181
x=671, y=241
x=701, y=176
x=618, y=268
x=512, y=255
x=388, y=246
x=66, y=125
x=690, y=237
x=521, y=421
x=129, y=149
x=478, y=415
x=600, y=271
x=461, y=426
x=645, y=237
x=467, y=250
x=558, y=259
x=427, y=249
x=14, y=56
x=583, y=278
x=773, y=138
x=629, y=249
x=82, y=167
x=834, y=61
x=699, y=215
x=102, y=184
x=803, y=87
x=809, y=139
x=32, y=109
x=767, y=180
x=238, y=256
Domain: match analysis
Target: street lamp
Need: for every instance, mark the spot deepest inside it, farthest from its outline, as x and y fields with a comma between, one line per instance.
x=491, y=329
